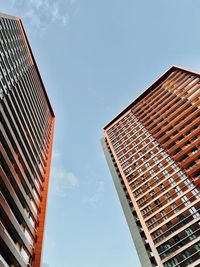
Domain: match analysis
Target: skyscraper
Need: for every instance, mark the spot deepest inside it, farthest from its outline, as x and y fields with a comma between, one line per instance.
x=26, y=135
x=152, y=149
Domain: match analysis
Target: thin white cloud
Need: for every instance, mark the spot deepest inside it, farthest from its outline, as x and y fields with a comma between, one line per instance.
x=36, y=3
x=55, y=12
x=61, y=180
x=65, y=20
x=72, y=2
x=56, y=155
x=42, y=13
x=98, y=191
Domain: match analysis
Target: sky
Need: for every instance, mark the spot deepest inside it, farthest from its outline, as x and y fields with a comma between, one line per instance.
x=95, y=57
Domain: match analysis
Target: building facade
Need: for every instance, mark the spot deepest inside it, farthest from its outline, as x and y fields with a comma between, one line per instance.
x=153, y=152
x=26, y=135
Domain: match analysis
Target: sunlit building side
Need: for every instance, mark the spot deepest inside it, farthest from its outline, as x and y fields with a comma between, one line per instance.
x=153, y=151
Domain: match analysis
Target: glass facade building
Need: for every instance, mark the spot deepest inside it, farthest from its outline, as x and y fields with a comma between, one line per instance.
x=26, y=136
x=153, y=152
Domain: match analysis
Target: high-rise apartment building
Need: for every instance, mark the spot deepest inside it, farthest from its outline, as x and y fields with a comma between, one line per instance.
x=26, y=135
x=153, y=152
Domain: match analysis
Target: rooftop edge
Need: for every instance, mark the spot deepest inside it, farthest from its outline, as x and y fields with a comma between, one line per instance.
x=151, y=87
x=3, y=15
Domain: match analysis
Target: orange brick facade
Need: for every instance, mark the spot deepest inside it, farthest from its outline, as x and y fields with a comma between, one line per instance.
x=154, y=144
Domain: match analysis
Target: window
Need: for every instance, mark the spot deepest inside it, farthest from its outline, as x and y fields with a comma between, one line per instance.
x=161, y=186
x=160, y=166
x=148, y=185
x=158, y=233
x=186, y=254
x=130, y=153
x=147, y=210
x=171, y=263
x=169, y=160
x=156, y=160
x=170, y=226
x=136, y=148
x=163, y=214
x=172, y=182
x=175, y=167
x=122, y=159
x=178, y=190
x=136, y=164
x=134, y=184
x=143, y=158
x=167, y=197
x=159, y=148
x=158, y=203
x=194, y=212
x=128, y=170
x=150, y=153
x=197, y=246
x=189, y=233
x=147, y=165
x=165, y=154
x=182, y=175
x=163, y=250
x=138, y=192
x=166, y=173
x=143, y=177
x=152, y=193
x=175, y=207
x=125, y=164
x=188, y=183
x=196, y=192
x=142, y=201
x=152, y=222
x=181, y=219
x=147, y=148
x=120, y=154
x=185, y=200
x=151, y=172
x=155, y=142
x=132, y=158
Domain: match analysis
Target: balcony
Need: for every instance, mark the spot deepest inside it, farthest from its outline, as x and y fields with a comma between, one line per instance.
x=197, y=181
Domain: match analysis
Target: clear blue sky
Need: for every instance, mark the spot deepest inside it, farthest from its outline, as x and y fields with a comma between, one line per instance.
x=95, y=57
